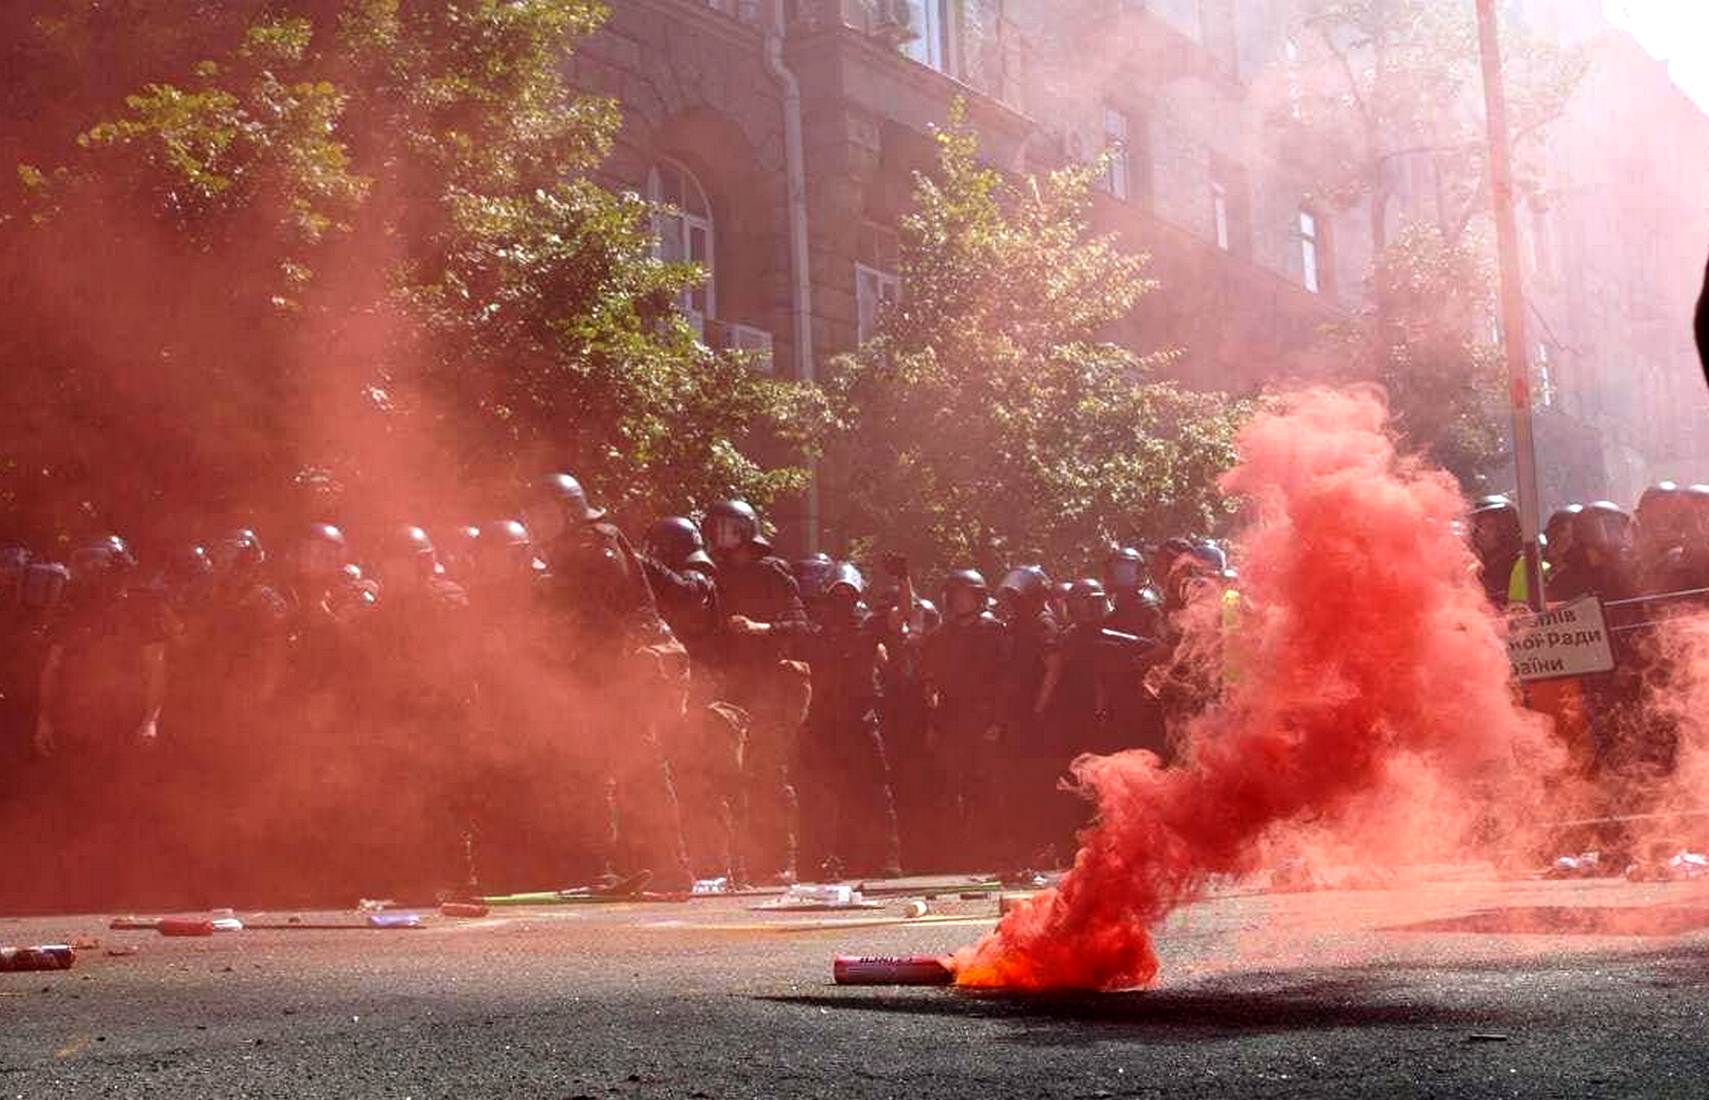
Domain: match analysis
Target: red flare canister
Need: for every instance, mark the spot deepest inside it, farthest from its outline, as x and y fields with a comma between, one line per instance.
x=185, y=926
x=462, y=909
x=906, y=970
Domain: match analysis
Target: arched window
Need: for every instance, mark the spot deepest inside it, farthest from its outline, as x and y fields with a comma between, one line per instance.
x=684, y=227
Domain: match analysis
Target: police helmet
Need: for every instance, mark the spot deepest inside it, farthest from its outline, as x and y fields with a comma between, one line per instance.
x=1088, y=603
x=731, y=524
x=965, y=594
x=1124, y=568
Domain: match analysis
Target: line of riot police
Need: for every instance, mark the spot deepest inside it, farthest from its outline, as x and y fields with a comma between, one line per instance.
x=537, y=702
x=1648, y=567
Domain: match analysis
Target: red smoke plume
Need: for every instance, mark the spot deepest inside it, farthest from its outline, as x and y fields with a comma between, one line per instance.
x=1366, y=649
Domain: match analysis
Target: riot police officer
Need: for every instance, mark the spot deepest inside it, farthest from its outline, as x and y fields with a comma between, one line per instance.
x=103, y=687
x=704, y=748
x=1034, y=758
x=629, y=675
x=1659, y=537
x=1598, y=558
x=757, y=585
x=965, y=665
x=848, y=821
x=1138, y=608
x=419, y=701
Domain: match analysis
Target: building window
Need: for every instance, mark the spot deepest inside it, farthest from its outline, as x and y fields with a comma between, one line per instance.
x=874, y=290
x=877, y=260
x=1219, y=214
x=1311, y=255
x=683, y=225
x=927, y=26
x=1118, y=171
x=1291, y=53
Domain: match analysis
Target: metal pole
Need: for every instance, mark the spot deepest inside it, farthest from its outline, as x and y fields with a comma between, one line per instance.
x=1512, y=300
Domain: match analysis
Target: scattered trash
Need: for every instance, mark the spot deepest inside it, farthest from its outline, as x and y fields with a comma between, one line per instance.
x=915, y=909
x=84, y=943
x=463, y=909
x=375, y=905
x=394, y=920
x=1486, y=1037
x=227, y=924
x=134, y=924
x=911, y=970
x=705, y=886
x=54, y=956
x=815, y=898
x=1682, y=866
x=121, y=951
x=185, y=926
x=1583, y=865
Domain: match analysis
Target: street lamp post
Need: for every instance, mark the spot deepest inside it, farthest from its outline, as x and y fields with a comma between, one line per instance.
x=1512, y=300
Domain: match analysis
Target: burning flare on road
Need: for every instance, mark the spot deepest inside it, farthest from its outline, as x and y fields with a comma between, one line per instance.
x=1366, y=649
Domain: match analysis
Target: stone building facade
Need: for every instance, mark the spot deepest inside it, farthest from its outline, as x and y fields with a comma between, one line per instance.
x=789, y=132
x=1613, y=258
x=803, y=254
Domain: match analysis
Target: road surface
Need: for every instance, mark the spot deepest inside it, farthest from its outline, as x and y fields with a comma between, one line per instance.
x=1460, y=986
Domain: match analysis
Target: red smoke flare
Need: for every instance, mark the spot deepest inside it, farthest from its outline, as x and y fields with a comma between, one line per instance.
x=1367, y=643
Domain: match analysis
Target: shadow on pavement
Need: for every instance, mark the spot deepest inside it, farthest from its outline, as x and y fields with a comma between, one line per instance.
x=1228, y=1012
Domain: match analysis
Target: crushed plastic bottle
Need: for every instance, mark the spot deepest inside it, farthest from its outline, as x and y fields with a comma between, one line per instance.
x=394, y=920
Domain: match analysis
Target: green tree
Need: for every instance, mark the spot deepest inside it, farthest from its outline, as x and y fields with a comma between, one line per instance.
x=350, y=246
x=1380, y=83
x=1426, y=337
x=989, y=422
x=1383, y=91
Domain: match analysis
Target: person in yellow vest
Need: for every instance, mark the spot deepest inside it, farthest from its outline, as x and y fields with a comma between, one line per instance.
x=1497, y=542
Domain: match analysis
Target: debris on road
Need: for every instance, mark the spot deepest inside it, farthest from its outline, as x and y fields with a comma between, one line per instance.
x=463, y=909
x=1582, y=865
x=815, y=898
x=54, y=956
x=394, y=920
x=1684, y=866
x=914, y=909
x=185, y=926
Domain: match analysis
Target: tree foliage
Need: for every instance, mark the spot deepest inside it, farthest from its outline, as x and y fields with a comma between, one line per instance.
x=1379, y=83
x=1425, y=335
x=989, y=422
x=349, y=245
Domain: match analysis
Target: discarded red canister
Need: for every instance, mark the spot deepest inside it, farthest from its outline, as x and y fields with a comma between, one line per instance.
x=185, y=926
x=462, y=909
x=908, y=970
x=56, y=956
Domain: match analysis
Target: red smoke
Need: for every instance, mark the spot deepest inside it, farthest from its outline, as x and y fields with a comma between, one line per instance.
x=1366, y=649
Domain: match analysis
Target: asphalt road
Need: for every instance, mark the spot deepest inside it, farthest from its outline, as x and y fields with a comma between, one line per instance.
x=1445, y=988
